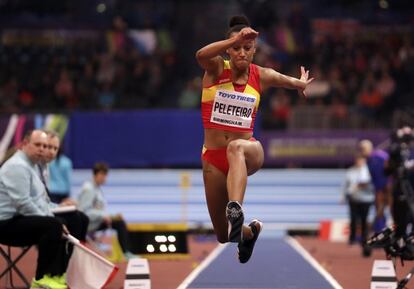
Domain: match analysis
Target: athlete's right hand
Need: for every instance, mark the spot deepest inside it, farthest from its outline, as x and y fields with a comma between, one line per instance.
x=247, y=33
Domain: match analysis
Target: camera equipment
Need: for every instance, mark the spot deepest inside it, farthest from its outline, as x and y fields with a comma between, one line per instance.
x=395, y=247
x=400, y=166
x=382, y=239
x=400, y=150
x=395, y=242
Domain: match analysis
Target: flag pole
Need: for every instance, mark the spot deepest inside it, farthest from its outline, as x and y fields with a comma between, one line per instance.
x=77, y=243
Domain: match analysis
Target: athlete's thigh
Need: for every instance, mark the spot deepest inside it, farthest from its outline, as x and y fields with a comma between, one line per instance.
x=216, y=197
x=254, y=155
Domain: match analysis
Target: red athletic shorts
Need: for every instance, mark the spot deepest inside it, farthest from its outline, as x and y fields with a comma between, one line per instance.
x=218, y=157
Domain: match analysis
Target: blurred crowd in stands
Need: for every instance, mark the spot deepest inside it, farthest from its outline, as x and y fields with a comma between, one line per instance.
x=141, y=55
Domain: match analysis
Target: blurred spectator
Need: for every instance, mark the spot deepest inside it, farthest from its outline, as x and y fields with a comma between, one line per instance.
x=137, y=87
x=387, y=87
x=278, y=113
x=93, y=204
x=300, y=23
x=336, y=83
x=106, y=96
x=138, y=55
x=9, y=95
x=376, y=160
x=386, y=84
x=106, y=69
x=369, y=100
x=283, y=38
x=338, y=112
x=359, y=193
x=60, y=172
x=64, y=91
x=87, y=87
x=190, y=97
x=26, y=99
x=119, y=36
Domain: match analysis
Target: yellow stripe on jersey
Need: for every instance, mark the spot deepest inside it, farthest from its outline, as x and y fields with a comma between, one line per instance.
x=250, y=90
x=210, y=92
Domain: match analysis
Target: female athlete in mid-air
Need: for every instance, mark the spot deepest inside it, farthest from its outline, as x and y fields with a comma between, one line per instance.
x=230, y=99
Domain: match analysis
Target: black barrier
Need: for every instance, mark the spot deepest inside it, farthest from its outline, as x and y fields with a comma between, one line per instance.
x=159, y=240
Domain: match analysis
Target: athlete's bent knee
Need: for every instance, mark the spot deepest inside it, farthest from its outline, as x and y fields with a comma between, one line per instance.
x=234, y=147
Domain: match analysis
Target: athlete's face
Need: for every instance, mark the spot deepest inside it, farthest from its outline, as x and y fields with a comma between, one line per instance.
x=241, y=54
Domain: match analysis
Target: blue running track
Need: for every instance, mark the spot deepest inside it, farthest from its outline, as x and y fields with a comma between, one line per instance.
x=275, y=264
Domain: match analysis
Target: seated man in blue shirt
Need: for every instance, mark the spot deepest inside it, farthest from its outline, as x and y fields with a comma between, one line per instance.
x=25, y=213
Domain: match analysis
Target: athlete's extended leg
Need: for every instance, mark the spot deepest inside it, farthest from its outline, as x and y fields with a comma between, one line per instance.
x=217, y=199
x=245, y=157
x=217, y=196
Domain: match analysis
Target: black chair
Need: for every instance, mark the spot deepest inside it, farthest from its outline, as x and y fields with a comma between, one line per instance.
x=11, y=266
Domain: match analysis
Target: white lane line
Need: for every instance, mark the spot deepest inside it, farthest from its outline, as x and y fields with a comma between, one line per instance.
x=298, y=247
x=213, y=255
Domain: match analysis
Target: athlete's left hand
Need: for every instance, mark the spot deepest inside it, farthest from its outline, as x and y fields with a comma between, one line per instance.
x=304, y=77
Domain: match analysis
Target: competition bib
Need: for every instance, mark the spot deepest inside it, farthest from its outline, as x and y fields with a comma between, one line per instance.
x=233, y=108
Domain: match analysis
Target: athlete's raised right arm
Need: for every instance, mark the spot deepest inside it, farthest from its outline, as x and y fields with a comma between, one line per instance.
x=209, y=57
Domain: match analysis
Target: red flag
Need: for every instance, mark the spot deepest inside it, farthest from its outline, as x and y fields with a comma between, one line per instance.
x=86, y=269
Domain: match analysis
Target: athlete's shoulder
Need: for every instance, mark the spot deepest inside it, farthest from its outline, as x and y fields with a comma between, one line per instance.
x=262, y=70
x=255, y=77
x=256, y=69
x=226, y=64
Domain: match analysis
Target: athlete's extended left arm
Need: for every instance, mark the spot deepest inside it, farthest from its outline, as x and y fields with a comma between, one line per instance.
x=272, y=78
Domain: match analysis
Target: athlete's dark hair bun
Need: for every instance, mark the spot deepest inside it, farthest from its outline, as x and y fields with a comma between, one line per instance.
x=239, y=20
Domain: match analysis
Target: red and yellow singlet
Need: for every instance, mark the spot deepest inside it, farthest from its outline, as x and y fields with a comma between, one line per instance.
x=229, y=107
